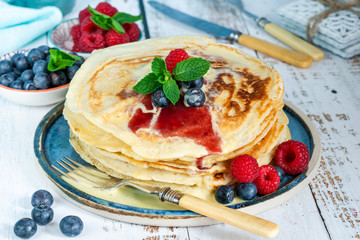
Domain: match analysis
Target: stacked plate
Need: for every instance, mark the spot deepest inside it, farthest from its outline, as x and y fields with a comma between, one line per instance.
x=189, y=149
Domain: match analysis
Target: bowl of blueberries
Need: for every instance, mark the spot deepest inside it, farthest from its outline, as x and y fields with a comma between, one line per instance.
x=25, y=77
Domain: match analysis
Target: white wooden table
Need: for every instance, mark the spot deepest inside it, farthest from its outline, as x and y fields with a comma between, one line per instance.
x=328, y=92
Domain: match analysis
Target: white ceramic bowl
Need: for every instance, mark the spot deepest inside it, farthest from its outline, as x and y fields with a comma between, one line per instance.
x=61, y=38
x=32, y=97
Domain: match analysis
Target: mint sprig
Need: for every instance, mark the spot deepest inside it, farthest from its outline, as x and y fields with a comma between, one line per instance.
x=61, y=60
x=186, y=70
x=115, y=22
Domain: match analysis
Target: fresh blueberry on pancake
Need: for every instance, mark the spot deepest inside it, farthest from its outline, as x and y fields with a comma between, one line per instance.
x=194, y=97
x=159, y=99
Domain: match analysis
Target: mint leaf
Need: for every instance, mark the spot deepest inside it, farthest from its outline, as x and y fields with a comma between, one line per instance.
x=158, y=66
x=101, y=22
x=191, y=69
x=147, y=85
x=171, y=91
x=61, y=60
x=122, y=18
x=117, y=26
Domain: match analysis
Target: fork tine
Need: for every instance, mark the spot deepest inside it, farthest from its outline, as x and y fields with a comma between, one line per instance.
x=75, y=172
x=90, y=169
x=63, y=173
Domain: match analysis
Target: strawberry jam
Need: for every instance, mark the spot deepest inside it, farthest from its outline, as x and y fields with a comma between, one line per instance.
x=180, y=121
x=140, y=119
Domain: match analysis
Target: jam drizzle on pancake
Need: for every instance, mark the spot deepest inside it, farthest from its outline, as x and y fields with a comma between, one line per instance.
x=180, y=121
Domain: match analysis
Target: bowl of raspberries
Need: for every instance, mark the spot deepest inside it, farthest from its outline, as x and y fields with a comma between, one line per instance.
x=38, y=76
x=95, y=28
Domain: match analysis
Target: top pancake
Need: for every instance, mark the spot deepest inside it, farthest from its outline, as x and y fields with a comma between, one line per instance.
x=241, y=93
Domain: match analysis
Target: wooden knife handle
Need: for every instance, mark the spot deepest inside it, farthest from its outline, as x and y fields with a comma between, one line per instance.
x=294, y=42
x=233, y=217
x=286, y=55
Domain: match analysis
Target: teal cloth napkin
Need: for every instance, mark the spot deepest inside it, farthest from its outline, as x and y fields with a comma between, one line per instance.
x=19, y=25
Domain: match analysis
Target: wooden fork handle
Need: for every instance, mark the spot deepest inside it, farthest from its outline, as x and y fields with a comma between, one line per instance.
x=233, y=217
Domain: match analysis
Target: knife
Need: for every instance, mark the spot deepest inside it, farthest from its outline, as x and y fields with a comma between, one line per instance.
x=289, y=56
x=280, y=33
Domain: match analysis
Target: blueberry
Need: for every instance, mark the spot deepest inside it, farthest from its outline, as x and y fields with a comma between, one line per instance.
x=15, y=74
x=25, y=228
x=5, y=66
x=42, y=81
x=18, y=84
x=71, y=70
x=29, y=85
x=246, y=191
x=27, y=75
x=77, y=62
x=224, y=194
x=44, y=49
x=35, y=55
x=40, y=66
x=280, y=172
x=42, y=197
x=42, y=215
x=194, y=97
x=47, y=58
x=198, y=83
x=159, y=99
x=58, y=78
x=6, y=79
x=15, y=57
x=71, y=226
x=21, y=63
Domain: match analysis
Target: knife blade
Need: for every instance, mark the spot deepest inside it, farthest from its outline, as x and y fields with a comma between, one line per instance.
x=280, y=33
x=286, y=55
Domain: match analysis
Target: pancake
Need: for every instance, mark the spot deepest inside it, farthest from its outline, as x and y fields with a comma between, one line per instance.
x=241, y=94
x=189, y=149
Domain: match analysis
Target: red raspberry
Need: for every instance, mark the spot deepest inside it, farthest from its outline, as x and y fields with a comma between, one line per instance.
x=268, y=180
x=83, y=14
x=76, y=48
x=76, y=32
x=91, y=41
x=106, y=8
x=132, y=30
x=174, y=57
x=112, y=37
x=244, y=168
x=292, y=156
x=90, y=27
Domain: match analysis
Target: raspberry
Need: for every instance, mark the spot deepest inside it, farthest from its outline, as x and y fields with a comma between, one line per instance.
x=292, y=156
x=76, y=48
x=174, y=57
x=268, y=180
x=113, y=38
x=244, y=168
x=106, y=8
x=90, y=27
x=83, y=14
x=132, y=30
x=91, y=41
x=76, y=32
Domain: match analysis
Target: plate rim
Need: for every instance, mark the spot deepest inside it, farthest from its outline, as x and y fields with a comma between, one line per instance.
x=171, y=217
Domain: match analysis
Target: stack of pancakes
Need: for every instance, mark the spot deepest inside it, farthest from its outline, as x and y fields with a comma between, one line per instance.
x=122, y=134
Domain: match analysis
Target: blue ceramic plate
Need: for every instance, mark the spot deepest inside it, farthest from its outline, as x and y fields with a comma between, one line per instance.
x=52, y=143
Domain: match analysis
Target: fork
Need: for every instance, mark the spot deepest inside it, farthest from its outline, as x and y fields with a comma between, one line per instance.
x=102, y=181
